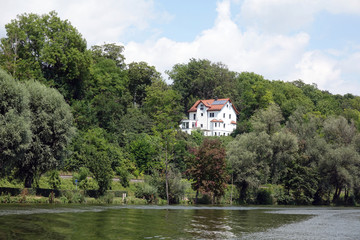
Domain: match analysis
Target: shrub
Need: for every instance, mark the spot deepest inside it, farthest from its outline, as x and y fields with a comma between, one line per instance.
x=54, y=179
x=63, y=200
x=107, y=198
x=264, y=197
x=146, y=191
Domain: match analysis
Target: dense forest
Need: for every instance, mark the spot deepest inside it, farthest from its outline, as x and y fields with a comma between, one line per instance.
x=70, y=107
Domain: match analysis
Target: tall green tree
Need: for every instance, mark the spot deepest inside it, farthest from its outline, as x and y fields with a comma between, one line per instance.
x=162, y=105
x=202, y=79
x=267, y=120
x=141, y=75
x=110, y=51
x=52, y=129
x=248, y=155
x=48, y=49
x=15, y=133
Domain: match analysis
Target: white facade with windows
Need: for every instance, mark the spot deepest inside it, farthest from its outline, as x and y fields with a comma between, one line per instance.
x=215, y=117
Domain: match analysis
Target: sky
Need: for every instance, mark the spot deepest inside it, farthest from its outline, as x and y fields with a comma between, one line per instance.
x=317, y=41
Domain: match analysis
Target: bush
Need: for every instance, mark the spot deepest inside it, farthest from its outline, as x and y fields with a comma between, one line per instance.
x=107, y=198
x=64, y=200
x=73, y=197
x=135, y=201
x=281, y=196
x=146, y=191
x=264, y=197
x=5, y=198
x=54, y=179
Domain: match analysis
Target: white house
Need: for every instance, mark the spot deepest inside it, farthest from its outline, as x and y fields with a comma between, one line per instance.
x=215, y=117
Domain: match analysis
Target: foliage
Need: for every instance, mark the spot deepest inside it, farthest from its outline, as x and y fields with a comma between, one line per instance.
x=247, y=156
x=201, y=79
x=144, y=153
x=15, y=132
x=51, y=127
x=54, y=179
x=48, y=49
x=267, y=120
x=177, y=186
x=94, y=152
x=147, y=192
x=207, y=168
x=141, y=75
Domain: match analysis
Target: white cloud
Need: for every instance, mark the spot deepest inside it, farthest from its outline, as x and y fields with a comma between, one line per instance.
x=97, y=21
x=285, y=16
x=268, y=55
x=268, y=37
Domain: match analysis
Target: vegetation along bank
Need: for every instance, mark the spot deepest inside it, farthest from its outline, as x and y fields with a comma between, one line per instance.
x=69, y=107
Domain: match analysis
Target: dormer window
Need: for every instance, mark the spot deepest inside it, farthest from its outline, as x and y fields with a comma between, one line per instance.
x=201, y=107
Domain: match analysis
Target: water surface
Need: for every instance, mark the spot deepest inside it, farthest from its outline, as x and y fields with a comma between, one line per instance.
x=176, y=222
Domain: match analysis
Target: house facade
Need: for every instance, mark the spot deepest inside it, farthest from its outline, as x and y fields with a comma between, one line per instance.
x=215, y=117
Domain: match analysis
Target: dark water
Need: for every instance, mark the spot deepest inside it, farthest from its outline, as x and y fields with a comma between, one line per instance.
x=152, y=222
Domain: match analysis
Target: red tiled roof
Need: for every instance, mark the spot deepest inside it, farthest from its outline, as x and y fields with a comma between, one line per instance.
x=215, y=120
x=209, y=104
x=233, y=122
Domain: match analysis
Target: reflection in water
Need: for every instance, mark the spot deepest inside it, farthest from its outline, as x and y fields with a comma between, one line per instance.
x=153, y=222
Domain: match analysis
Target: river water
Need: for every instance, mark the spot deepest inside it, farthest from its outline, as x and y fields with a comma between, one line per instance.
x=177, y=222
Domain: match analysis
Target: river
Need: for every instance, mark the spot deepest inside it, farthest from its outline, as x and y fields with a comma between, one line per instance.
x=177, y=222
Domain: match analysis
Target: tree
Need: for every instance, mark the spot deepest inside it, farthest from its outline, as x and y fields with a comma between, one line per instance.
x=141, y=75
x=162, y=105
x=207, y=168
x=48, y=49
x=94, y=152
x=267, y=120
x=341, y=170
x=338, y=131
x=144, y=153
x=248, y=155
x=15, y=133
x=201, y=79
x=52, y=128
x=284, y=148
x=109, y=51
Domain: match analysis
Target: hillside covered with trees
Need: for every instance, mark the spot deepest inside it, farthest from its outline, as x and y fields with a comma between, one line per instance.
x=68, y=106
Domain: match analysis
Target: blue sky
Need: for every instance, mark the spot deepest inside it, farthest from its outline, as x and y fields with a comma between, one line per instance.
x=316, y=41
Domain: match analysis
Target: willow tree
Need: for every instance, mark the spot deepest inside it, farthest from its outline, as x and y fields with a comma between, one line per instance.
x=15, y=134
x=51, y=127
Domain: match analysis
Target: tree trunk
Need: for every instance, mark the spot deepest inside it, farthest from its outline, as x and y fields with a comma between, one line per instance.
x=196, y=196
x=167, y=178
x=29, y=180
x=232, y=185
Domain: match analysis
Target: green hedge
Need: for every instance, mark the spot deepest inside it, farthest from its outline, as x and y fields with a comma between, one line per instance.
x=46, y=192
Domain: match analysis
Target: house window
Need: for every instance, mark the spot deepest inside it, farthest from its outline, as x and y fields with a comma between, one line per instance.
x=224, y=115
x=215, y=133
x=229, y=116
x=193, y=125
x=201, y=125
x=215, y=124
x=224, y=125
x=194, y=116
x=211, y=114
x=202, y=114
x=201, y=107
